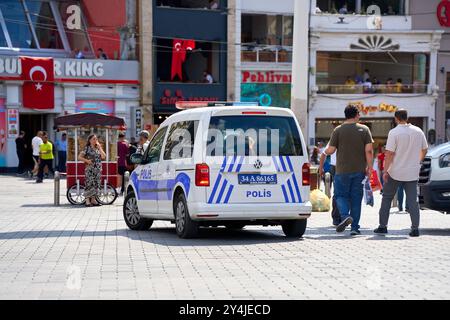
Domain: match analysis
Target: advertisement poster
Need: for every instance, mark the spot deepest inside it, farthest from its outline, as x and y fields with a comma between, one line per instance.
x=95, y=106
x=3, y=137
x=13, y=123
x=267, y=95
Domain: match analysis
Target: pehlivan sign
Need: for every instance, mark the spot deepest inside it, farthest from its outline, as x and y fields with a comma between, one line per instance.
x=79, y=70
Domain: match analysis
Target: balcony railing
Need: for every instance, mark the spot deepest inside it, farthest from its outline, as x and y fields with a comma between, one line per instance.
x=374, y=89
x=277, y=54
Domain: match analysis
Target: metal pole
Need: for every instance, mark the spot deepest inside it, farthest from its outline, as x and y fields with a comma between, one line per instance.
x=126, y=179
x=57, y=180
x=328, y=184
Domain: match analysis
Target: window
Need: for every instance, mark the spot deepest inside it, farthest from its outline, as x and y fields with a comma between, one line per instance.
x=267, y=29
x=3, y=42
x=239, y=136
x=191, y=4
x=153, y=151
x=17, y=24
x=44, y=24
x=192, y=64
x=387, y=7
x=180, y=142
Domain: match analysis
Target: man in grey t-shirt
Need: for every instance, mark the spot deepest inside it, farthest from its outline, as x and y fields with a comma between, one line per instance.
x=405, y=149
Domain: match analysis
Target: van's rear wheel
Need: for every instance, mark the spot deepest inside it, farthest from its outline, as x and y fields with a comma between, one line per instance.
x=186, y=228
x=294, y=228
x=131, y=214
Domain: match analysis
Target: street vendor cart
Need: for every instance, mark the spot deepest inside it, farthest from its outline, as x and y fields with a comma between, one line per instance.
x=78, y=127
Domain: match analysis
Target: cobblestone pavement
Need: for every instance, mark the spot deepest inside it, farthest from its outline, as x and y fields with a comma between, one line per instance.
x=88, y=253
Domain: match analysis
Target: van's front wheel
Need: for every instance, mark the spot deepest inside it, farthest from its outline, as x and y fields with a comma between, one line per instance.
x=186, y=228
x=131, y=214
x=294, y=228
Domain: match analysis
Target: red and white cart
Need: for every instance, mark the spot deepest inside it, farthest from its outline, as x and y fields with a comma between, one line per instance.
x=78, y=127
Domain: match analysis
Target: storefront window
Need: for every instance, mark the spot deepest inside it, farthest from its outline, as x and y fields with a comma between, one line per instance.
x=387, y=7
x=17, y=24
x=44, y=24
x=192, y=4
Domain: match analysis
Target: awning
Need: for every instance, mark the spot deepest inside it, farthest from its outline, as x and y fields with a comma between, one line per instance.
x=89, y=120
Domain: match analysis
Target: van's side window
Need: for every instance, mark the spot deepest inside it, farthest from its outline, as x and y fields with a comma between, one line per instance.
x=153, y=151
x=180, y=141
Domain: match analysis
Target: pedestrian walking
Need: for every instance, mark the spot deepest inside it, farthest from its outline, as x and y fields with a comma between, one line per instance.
x=335, y=215
x=92, y=156
x=21, y=149
x=35, y=144
x=46, y=157
x=122, y=153
x=406, y=147
x=61, y=145
x=354, y=161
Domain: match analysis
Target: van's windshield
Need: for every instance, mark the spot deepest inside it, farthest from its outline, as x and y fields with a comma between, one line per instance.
x=253, y=135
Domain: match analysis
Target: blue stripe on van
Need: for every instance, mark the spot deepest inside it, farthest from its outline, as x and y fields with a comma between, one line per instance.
x=217, y=182
x=230, y=190
x=291, y=191
x=286, y=199
x=222, y=191
x=282, y=164
x=297, y=189
x=230, y=169
x=238, y=169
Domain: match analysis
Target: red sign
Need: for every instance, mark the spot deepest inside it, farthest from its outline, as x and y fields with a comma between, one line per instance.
x=180, y=47
x=443, y=13
x=266, y=77
x=167, y=97
x=38, y=88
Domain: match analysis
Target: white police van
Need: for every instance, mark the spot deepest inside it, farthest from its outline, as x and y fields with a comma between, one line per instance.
x=196, y=173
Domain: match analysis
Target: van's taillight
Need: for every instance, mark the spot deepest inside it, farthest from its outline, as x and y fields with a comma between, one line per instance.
x=306, y=175
x=253, y=112
x=202, y=175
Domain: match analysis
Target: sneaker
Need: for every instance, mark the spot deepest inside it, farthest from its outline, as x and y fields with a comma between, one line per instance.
x=39, y=181
x=414, y=233
x=341, y=227
x=381, y=230
x=355, y=233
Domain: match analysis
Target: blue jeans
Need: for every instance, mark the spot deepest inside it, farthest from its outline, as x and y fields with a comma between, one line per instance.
x=348, y=190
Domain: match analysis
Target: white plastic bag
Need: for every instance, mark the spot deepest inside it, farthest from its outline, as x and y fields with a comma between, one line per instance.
x=319, y=200
x=368, y=193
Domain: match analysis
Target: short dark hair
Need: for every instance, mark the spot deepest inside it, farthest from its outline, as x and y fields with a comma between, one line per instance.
x=401, y=114
x=351, y=111
x=44, y=133
x=121, y=135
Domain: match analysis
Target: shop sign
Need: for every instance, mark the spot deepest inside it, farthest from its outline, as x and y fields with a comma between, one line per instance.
x=13, y=123
x=443, y=13
x=72, y=69
x=95, y=106
x=138, y=120
x=382, y=107
x=168, y=99
x=266, y=77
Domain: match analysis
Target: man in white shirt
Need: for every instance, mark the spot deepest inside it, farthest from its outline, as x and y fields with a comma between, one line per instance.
x=405, y=149
x=35, y=144
x=208, y=77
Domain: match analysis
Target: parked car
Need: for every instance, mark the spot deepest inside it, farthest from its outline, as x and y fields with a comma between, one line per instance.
x=434, y=179
x=194, y=187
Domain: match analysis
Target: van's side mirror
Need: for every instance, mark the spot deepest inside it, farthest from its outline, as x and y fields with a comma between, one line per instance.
x=136, y=158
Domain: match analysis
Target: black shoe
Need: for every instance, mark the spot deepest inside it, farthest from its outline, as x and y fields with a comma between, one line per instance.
x=414, y=233
x=39, y=181
x=355, y=233
x=381, y=230
x=341, y=227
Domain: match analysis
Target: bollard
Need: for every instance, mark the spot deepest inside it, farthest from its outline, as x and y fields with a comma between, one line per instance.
x=126, y=178
x=57, y=180
x=328, y=184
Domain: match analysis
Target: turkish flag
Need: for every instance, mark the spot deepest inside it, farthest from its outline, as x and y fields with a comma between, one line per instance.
x=38, y=89
x=179, y=56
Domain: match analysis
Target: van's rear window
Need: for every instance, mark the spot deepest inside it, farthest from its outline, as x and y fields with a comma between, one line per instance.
x=253, y=135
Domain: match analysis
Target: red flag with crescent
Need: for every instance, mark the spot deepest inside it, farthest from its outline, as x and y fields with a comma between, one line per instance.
x=179, y=49
x=38, y=88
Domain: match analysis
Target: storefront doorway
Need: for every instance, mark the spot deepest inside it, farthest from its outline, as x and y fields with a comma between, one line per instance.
x=31, y=124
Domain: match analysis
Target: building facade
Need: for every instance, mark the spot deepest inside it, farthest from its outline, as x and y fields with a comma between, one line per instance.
x=435, y=15
x=264, y=41
x=69, y=34
x=367, y=53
